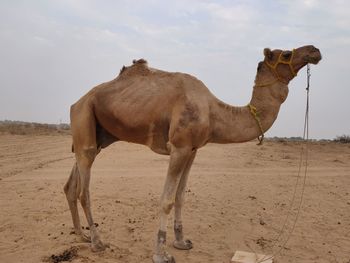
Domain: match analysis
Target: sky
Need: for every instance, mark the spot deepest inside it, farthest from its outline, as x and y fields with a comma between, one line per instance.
x=53, y=52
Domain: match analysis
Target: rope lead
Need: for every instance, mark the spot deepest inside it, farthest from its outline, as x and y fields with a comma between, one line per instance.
x=303, y=156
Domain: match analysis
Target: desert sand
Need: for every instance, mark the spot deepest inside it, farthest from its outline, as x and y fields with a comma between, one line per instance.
x=238, y=198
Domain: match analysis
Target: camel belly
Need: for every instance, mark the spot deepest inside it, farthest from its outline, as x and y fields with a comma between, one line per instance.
x=154, y=135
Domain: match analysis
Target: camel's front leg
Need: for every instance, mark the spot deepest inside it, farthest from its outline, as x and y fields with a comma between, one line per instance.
x=179, y=158
x=180, y=242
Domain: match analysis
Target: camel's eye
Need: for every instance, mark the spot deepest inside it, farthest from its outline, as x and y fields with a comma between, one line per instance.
x=286, y=55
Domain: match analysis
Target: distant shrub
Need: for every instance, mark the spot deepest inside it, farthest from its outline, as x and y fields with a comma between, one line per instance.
x=285, y=139
x=343, y=139
x=32, y=128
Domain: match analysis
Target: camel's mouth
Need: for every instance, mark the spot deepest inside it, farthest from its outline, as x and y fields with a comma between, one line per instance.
x=314, y=57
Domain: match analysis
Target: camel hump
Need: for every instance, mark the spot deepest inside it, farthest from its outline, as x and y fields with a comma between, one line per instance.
x=138, y=67
x=139, y=61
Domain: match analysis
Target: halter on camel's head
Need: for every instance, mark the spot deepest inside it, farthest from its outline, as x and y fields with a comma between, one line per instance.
x=294, y=60
x=282, y=55
x=283, y=66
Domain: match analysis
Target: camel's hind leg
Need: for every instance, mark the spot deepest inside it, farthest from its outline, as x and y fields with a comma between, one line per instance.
x=72, y=190
x=85, y=147
x=85, y=159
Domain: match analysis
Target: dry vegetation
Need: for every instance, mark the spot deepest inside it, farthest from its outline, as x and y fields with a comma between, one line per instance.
x=342, y=139
x=32, y=128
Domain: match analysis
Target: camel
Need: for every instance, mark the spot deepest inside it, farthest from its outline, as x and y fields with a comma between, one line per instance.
x=173, y=114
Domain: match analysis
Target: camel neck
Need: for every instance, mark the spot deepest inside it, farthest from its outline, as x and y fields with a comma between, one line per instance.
x=232, y=124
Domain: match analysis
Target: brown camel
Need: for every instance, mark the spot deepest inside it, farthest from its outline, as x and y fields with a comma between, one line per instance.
x=173, y=114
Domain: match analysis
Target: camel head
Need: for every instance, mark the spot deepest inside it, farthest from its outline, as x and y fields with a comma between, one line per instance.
x=281, y=66
x=285, y=64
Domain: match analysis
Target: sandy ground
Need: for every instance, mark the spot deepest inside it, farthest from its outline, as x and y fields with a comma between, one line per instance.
x=238, y=198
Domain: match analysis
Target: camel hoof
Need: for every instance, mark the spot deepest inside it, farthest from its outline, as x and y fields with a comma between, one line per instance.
x=98, y=246
x=183, y=244
x=85, y=238
x=167, y=258
x=82, y=236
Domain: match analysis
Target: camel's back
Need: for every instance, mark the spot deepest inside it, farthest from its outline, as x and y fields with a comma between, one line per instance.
x=141, y=97
x=140, y=90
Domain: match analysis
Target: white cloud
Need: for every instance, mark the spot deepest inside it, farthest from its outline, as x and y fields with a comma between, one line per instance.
x=236, y=14
x=43, y=41
x=310, y=3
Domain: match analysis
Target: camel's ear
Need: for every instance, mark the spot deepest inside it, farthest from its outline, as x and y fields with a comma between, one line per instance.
x=268, y=53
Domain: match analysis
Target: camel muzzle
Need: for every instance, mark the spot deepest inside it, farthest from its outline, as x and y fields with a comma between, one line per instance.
x=314, y=57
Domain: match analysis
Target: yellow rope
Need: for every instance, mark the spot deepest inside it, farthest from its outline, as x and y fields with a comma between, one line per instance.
x=273, y=68
x=255, y=114
x=281, y=61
